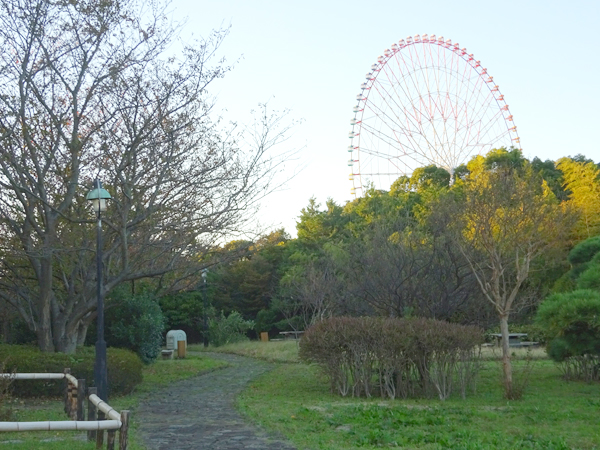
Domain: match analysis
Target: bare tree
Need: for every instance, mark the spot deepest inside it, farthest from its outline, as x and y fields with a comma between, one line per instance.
x=405, y=268
x=88, y=89
x=386, y=268
x=311, y=293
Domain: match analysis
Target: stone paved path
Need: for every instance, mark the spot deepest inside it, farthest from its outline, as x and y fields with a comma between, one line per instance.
x=199, y=413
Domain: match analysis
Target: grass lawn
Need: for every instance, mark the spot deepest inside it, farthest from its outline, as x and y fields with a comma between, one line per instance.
x=295, y=401
x=156, y=375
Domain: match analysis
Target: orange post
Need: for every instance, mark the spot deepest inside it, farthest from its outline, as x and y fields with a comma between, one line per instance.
x=181, y=349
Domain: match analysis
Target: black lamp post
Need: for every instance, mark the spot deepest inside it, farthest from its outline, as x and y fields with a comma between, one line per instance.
x=205, y=324
x=98, y=197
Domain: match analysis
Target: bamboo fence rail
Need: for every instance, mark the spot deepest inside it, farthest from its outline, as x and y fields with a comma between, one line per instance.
x=101, y=416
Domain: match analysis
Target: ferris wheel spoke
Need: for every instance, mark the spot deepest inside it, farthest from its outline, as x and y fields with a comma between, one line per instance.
x=381, y=114
x=415, y=122
x=395, y=146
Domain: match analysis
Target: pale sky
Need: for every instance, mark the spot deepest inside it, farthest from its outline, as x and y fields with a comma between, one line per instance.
x=311, y=57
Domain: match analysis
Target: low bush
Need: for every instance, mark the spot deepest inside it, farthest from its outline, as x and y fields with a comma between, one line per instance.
x=228, y=329
x=124, y=369
x=394, y=357
x=5, y=385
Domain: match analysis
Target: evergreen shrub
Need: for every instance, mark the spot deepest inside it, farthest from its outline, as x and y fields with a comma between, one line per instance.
x=408, y=357
x=590, y=278
x=124, y=369
x=135, y=323
x=572, y=324
x=229, y=329
x=585, y=251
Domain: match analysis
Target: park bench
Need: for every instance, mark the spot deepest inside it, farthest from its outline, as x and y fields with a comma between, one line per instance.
x=291, y=334
x=514, y=340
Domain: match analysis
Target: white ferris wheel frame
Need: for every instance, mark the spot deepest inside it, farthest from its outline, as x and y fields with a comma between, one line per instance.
x=409, y=110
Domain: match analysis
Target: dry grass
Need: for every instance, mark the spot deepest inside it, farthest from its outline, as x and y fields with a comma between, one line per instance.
x=287, y=351
x=273, y=351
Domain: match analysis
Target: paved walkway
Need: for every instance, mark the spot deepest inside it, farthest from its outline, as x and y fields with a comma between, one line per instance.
x=199, y=413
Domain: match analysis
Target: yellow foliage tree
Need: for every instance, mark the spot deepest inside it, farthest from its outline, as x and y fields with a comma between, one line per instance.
x=582, y=179
x=507, y=217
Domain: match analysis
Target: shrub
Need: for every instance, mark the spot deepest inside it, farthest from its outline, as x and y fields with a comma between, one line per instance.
x=572, y=324
x=228, y=329
x=135, y=323
x=5, y=385
x=124, y=369
x=397, y=357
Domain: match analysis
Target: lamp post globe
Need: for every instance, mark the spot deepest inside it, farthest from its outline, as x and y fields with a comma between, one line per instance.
x=98, y=197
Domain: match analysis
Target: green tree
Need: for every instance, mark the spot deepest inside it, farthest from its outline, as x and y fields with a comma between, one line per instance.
x=429, y=177
x=552, y=175
x=185, y=310
x=248, y=280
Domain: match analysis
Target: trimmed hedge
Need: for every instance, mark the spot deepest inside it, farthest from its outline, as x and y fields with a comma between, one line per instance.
x=124, y=369
x=405, y=358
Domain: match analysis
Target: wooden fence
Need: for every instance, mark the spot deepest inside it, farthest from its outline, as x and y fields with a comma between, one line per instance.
x=101, y=416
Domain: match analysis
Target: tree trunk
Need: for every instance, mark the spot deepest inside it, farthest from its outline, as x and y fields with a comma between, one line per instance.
x=506, y=364
x=67, y=343
x=44, y=330
x=82, y=333
x=6, y=335
x=66, y=333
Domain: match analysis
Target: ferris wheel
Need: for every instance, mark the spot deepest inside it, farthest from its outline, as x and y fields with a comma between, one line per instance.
x=426, y=101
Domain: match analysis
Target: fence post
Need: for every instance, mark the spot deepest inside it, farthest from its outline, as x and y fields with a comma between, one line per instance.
x=110, y=439
x=99, y=433
x=180, y=349
x=124, y=429
x=80, y=399
x=67, y=393
x=73, y=395
x=91, y=412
